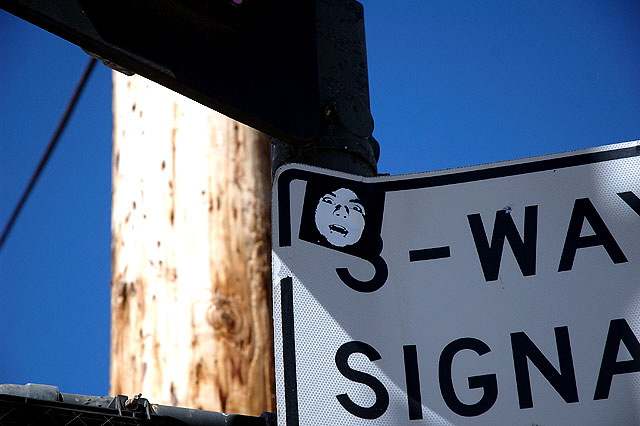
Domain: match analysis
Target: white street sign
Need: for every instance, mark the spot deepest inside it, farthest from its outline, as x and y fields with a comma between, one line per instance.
x=502, y=294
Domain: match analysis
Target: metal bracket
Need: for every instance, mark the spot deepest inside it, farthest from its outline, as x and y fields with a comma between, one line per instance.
x=133, y=407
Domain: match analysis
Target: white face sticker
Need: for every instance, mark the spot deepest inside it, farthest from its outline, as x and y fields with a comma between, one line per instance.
x=340, y=217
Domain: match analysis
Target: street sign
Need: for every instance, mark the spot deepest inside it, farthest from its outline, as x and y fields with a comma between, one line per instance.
x=502, y=294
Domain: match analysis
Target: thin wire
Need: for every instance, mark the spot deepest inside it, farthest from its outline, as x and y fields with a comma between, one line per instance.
x=53, y=142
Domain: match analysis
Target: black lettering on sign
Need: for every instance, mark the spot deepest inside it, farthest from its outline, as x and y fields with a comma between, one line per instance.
x=619, y=331
x=524, y=249
x=487, y=382
x=564, y=382
x=584, y=209
x=412, y=378
x=381, y=404
x=631, y=199
x=429, y=254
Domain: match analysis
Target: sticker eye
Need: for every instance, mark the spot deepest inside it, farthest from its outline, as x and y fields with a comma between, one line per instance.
x=358, y=208
x=327, y=200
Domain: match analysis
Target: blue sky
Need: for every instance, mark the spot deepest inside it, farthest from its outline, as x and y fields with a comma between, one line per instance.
x=452, y=84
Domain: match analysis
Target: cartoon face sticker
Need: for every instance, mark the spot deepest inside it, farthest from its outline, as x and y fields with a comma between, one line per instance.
x=340, y=217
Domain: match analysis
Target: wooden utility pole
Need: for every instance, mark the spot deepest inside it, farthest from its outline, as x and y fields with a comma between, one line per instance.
x=191, y=321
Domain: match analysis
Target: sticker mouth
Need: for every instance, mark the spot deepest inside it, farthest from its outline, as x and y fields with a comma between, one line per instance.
x=339, y=229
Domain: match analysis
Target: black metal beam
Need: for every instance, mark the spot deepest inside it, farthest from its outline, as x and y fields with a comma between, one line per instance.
x=294, y=69
x=256, y=64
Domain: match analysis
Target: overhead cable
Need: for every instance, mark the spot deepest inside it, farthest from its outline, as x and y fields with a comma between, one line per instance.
x=53, y=142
